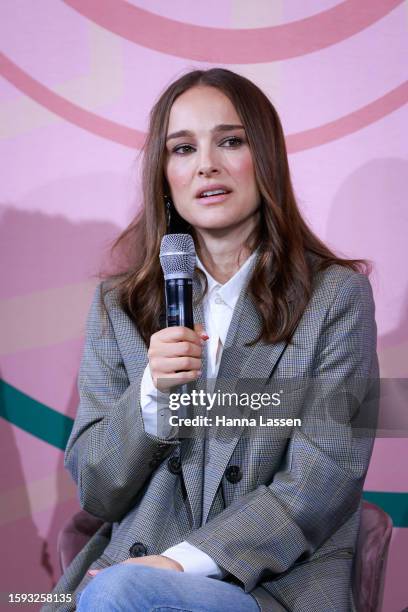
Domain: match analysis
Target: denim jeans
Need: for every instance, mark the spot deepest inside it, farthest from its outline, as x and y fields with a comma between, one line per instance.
x=131, y=588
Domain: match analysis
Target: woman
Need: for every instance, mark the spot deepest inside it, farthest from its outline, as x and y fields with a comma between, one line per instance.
x=245, y=523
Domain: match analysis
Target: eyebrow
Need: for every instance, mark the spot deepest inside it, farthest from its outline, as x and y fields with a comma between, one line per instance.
x=223, y=127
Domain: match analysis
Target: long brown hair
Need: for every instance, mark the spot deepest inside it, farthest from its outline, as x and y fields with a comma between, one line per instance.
x=289, y=252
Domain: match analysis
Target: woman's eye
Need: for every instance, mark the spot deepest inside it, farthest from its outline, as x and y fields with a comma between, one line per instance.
x=232, y=141
x=183, y=149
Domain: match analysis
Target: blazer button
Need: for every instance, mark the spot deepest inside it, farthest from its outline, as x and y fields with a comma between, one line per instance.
x=174, y=465
x=233, y=473
x=138, y=549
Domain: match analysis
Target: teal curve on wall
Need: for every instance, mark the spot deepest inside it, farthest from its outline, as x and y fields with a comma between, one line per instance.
x=34, y=417
x=54, y=428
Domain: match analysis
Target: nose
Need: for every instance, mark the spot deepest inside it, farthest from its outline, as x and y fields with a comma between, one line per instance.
x=207, y=170
x=208, y=165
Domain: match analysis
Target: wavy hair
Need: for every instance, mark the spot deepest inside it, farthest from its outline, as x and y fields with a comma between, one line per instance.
x=290, y=254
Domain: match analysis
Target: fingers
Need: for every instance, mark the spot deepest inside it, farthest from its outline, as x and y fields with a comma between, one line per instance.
x=175, y=355
x=164, y=382
x=170, y=365
x=175, y=349
x=177, y=334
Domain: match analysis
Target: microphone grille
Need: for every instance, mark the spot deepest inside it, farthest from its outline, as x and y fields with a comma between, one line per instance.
x=177, y=256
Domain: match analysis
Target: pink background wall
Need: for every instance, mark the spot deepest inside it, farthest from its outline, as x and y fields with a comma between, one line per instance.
x=80, y=77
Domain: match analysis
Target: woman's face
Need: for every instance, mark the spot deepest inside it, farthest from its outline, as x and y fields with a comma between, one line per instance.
x=209, y=165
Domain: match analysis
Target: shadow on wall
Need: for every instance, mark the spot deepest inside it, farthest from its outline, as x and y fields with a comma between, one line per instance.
x=369, y=219
x=49, y=265
x=40, y=255
x=39, y=252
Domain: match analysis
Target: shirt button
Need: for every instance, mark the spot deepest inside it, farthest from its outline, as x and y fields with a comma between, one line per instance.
x=218, y=300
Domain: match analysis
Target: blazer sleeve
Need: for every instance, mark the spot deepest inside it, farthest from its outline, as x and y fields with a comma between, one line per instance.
x=264, y=533
x=109, y=454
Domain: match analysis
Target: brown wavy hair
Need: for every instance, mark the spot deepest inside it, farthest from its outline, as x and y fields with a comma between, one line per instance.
x=290, y=254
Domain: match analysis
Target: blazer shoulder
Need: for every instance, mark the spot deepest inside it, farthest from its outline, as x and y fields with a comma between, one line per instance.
x=336, y=280
x=106, y=309
x=110, y=294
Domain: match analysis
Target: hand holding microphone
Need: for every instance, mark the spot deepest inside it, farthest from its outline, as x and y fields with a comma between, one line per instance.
x=175, y=352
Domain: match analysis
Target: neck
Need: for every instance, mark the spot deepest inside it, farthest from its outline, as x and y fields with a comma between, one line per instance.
x=222, y=258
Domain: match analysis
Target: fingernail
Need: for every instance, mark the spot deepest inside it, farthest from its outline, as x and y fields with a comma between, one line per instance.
x=93, y=572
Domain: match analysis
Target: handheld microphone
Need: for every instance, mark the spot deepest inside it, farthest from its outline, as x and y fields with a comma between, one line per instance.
x=177, y=258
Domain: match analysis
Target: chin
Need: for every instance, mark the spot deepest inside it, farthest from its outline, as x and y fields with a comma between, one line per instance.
x=216, y=228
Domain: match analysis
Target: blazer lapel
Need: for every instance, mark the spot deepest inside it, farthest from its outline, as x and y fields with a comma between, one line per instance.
x=237, y=362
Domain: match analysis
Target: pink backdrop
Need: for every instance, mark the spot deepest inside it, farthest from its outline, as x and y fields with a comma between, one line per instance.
x=80, y=77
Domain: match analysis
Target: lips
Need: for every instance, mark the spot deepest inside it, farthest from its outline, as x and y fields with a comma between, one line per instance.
x=210, y=189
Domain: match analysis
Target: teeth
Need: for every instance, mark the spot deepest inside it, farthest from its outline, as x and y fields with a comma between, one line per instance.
x=213, y=192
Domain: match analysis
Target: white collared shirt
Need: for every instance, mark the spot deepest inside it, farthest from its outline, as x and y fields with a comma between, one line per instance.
x=218, y=305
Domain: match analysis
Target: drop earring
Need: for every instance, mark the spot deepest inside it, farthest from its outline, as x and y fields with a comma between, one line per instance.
x=168, y=204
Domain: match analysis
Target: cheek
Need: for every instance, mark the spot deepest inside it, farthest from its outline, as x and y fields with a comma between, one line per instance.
x=243, y=170
x=177, y=176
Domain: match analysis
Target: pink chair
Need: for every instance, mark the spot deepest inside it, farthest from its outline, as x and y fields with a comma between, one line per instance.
x=371, y=558
x=369, y=564
x=74, y=535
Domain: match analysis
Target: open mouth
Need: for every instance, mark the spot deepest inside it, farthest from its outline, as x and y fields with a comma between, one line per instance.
x=213, y=192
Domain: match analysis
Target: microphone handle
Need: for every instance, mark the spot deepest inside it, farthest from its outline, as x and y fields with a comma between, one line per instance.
x=179, y=302
x=179, y=311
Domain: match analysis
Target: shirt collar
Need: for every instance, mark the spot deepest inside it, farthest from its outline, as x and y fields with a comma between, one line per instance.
x=229, y=291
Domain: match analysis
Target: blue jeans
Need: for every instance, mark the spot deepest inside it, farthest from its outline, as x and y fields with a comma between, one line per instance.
x=131, y=588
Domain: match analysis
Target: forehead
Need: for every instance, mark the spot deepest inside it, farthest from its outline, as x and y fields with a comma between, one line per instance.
x=201, y=107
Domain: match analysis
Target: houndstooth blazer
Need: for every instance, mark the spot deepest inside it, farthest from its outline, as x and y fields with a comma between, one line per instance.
x=286, y=530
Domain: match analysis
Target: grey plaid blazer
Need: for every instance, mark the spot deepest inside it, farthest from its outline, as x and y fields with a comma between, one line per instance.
x=286, y=531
